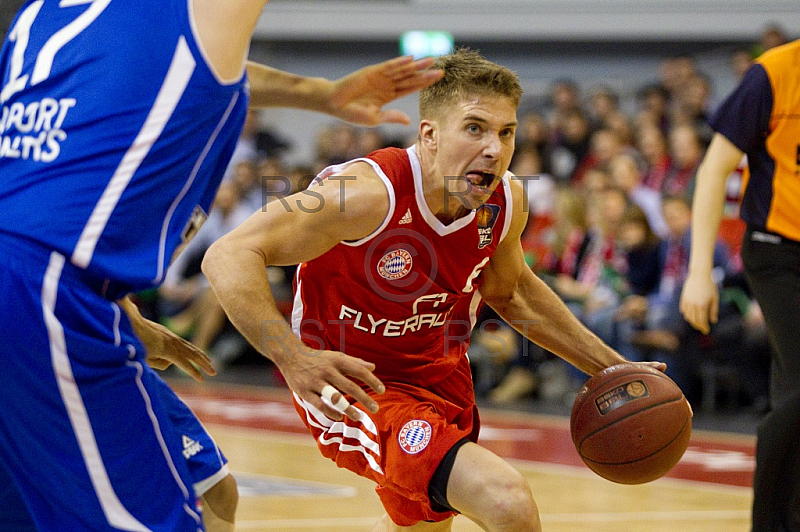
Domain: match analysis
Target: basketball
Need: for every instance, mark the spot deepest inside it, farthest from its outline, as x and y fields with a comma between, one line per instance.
x=630, y=424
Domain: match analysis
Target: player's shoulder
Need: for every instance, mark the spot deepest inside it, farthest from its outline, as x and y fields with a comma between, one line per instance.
x=516, y=200
x=514, y=190
x=355, y=189
x=392, y=162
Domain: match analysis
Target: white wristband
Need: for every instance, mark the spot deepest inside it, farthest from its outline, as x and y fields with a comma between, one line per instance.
x=326, y=394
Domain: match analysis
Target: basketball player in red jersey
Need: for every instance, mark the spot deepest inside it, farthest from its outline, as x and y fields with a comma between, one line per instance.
x=397, y=251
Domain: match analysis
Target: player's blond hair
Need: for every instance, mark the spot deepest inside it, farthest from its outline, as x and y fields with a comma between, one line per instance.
x=467, y=73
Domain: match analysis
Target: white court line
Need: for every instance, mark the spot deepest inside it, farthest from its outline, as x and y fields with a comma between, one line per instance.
x=668, y=516
x=305, y=524
x=613, y=517
x=522, y=465
x=582, y=471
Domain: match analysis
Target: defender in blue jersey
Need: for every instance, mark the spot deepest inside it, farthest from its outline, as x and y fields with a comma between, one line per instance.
x=118, y=120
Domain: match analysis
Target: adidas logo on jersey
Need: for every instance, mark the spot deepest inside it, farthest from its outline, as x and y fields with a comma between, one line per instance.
x=190, y=447
x=406, y=219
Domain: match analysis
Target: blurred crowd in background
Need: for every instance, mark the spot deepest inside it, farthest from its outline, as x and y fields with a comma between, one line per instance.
x=609, y=226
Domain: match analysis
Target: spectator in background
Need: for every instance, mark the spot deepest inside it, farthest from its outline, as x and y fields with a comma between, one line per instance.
x=603, y=104
x=741, y=59
x=246, y=146
x=625, y=175
x=620, y=124
x=591, y=255
x=595, y=181
x=344, y=144
x=640, y=246
x=571, y=144
x=654, y=102
x=694, y=100
x=652, y=145
x=323, y=147
x=534, y=133
x=571, y=247
x=675, y=73
x=604, y=145
x=686, y=150
x=246, y=178
x=369, y=140
x=526, y=165
x=272, y=183
x=772, y=35
x=565, y=95
x=200, y=318
x=666, y=330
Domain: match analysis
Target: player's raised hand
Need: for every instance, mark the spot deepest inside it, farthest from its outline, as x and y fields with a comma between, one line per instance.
x=359, y=97
x=313, y=374
x=700, y=301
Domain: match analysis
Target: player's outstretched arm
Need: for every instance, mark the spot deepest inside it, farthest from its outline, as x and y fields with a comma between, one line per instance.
x=700, y=297
x=358, y=97
x=165, y=348
x=533, y=309
x=293, y=230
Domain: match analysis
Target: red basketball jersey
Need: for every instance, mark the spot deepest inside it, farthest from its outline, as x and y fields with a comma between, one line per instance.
x=405, y=297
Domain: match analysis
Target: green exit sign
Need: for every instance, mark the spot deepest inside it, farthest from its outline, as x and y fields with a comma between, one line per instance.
x=426, y=43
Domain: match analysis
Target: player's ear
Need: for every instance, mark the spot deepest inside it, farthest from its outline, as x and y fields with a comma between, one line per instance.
x=429, y=134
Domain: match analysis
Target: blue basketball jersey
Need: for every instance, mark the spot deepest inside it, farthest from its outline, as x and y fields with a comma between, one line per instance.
x=111, y=152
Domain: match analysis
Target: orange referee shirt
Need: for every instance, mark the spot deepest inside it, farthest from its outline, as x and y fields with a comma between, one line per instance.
x=762, y=118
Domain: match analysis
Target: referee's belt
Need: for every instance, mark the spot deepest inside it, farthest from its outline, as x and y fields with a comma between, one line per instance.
x=758, y=234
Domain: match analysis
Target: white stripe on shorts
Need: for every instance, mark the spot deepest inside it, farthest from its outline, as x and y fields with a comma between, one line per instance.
x=115, y=512
x=329, y=426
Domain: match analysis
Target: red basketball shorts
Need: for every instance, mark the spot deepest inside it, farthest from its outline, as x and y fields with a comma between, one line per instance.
x=401, y=445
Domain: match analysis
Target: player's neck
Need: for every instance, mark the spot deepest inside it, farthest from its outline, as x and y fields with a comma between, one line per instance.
x=444, y=206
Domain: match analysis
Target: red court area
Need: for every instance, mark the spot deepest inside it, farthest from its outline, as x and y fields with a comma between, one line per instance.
x=717, y=458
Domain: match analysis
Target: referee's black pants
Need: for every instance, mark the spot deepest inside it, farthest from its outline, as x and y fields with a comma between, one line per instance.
x=772, y=267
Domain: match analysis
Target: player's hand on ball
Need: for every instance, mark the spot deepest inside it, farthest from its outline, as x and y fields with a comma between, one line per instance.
x=323, y=378
x=660, y=366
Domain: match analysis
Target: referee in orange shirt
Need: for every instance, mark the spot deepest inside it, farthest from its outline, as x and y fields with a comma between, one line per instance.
x=761, y=119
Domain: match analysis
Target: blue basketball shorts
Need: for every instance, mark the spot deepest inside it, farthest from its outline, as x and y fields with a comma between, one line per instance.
x=90, y=435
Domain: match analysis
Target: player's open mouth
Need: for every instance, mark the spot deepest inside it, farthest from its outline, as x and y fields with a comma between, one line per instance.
x=481, y=180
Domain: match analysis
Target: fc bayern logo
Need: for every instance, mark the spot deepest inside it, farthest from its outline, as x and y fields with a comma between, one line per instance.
x=395, y=264
x=415, y=436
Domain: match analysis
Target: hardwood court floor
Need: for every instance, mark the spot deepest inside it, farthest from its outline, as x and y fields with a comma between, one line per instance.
x=286, y=485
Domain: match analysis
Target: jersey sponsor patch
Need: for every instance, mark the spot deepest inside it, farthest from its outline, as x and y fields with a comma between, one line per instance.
x=486, y=216
x=395, y=264
x=415, y=436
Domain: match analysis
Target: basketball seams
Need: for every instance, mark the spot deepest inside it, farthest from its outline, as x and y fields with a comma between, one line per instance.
x=626, y=416
x=673, y=440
